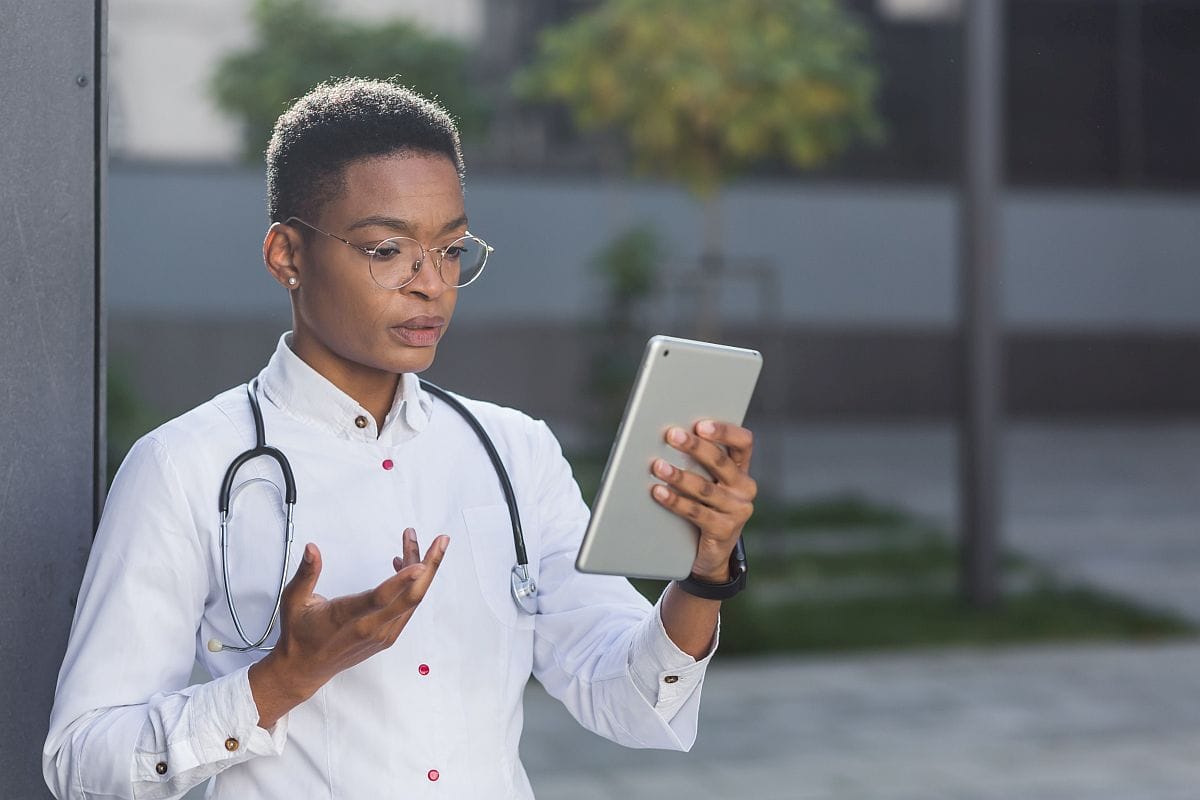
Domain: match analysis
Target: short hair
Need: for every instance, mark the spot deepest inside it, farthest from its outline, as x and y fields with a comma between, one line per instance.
x=339, y=122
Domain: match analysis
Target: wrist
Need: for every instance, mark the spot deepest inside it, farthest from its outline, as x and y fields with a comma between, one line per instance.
x=721, y=574
x=276, y=688
x=718, y=583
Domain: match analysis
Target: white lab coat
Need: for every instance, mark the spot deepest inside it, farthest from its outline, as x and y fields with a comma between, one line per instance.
x=439, y=713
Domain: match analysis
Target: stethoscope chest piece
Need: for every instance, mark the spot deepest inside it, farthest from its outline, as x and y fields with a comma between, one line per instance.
x=524, y=589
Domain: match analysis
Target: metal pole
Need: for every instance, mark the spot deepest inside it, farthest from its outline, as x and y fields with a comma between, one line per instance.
x=1129, y=88
x=979, y=316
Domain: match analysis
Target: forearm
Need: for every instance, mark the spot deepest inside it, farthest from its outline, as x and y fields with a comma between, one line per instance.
x=689, y=621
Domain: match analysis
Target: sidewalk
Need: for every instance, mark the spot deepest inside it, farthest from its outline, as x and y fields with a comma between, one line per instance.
x=1078, y=723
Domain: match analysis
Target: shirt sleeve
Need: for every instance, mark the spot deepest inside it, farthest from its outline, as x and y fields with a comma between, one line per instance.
x=598, y=644
x=666, y=677
x=125, y=724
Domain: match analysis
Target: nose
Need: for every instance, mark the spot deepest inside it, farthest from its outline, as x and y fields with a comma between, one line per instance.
x=428, y=282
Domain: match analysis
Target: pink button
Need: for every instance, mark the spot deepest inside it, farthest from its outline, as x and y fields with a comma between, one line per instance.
x=433, y=775
x=387, y=463
x=423, y=669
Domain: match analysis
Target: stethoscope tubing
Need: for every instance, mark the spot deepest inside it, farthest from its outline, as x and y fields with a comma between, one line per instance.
x=524, y=589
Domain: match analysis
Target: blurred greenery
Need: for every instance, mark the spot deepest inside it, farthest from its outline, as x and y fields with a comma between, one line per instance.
x=299, y=43
x=844, y=573
x=702, y=89
x=128, y=417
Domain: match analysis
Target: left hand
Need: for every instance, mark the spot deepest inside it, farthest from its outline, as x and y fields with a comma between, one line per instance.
x=718, y=507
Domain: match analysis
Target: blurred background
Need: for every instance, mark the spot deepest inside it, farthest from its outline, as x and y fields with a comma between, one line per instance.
x=784, y=176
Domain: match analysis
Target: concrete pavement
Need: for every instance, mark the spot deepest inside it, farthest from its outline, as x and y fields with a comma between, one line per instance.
x=1075, y=723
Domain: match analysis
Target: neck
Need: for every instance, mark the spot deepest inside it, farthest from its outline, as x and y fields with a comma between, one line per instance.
x=373, y=389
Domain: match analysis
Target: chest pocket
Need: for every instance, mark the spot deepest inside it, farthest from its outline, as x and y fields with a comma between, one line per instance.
x=490, y=536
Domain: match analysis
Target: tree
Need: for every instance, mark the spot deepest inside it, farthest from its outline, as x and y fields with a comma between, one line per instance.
x=701, y=90
x=297, y=44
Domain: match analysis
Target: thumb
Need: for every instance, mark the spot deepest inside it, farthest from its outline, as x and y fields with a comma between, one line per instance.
x=304, y=582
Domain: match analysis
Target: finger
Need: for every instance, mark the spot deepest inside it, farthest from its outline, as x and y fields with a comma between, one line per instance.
x=737, y=440
x=304, y=582
x=412, y=551
x=706, y=519
x=697, y=487
x=406, y=588
x=713, y=457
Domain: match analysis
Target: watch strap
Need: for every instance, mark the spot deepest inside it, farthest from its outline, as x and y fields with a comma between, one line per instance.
x=721, y=591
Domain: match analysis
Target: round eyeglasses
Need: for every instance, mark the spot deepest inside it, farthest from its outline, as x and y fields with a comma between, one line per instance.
x=394, y=263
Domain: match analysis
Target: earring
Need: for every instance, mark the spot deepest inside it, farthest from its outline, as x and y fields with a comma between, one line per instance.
x=292, y=281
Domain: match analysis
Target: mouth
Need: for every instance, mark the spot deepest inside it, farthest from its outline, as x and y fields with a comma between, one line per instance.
x=419, y=331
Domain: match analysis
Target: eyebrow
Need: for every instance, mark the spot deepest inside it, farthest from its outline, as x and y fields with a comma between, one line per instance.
x=402, y=225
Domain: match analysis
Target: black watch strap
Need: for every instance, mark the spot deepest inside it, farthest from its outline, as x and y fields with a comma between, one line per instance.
x=721, y=591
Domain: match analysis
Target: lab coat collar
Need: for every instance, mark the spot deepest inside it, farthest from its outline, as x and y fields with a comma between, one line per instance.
x=301, y=392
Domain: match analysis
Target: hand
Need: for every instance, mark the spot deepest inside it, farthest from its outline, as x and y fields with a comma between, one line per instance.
x=718, y=507
x=318, y=638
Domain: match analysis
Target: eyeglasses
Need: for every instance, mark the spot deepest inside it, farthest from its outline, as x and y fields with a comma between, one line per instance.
x=394, y=263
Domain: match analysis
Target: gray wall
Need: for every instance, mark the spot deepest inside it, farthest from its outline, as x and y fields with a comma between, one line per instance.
x=49, y=359
x=189, y=241
x=1099, y=293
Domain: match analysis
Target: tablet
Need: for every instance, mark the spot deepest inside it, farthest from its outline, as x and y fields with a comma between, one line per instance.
x=680, y=382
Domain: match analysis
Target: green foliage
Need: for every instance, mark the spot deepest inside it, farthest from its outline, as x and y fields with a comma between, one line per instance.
x=702, y=89
x=297, y=44
x=1049, y=613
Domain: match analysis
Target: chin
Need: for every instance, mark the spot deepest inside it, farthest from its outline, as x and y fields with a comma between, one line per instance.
x=414, y=362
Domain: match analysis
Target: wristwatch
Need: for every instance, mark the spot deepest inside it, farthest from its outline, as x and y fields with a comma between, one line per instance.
x=721, y=591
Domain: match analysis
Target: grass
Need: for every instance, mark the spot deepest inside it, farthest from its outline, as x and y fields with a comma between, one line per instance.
x=843, y=573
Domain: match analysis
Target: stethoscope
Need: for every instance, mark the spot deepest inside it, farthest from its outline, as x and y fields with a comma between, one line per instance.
x=524, y=589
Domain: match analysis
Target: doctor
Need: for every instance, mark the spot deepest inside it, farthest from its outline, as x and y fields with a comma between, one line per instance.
x=401, y=658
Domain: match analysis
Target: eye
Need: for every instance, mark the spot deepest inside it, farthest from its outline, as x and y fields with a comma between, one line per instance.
x=385, y=251
x=454, y=251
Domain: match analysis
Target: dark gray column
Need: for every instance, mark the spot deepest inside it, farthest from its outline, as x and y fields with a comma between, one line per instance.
x=51, y=354
x=982, y=398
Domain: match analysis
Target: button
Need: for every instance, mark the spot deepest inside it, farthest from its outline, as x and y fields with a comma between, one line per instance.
x=671, y=679
x=360, y=421
x=231, y=744
x=423, y=669
x=161, y=768
x=433, y=775
x=387, y=463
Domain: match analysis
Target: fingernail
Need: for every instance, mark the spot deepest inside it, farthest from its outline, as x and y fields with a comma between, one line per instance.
x=662, y=468
x=410, y=534
x=706, y=428
x=677, y=436
x=308, y=554
x=659, y=492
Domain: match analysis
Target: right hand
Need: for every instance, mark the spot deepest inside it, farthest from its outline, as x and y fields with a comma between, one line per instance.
x=318, y=637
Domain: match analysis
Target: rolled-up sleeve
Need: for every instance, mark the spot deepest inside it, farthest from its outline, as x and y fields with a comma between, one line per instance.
x=125, y=724
x=599, y=646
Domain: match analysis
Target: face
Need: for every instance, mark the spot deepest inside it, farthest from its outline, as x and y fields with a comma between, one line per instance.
x=345, y=325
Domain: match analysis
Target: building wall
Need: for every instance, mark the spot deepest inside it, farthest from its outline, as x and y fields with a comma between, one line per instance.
x=857, y=317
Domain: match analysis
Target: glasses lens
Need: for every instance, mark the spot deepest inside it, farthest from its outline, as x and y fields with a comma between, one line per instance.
x=395, y=262
x=463, y=260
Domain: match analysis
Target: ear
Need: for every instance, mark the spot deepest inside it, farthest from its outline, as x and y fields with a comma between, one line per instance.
x=281, y=249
